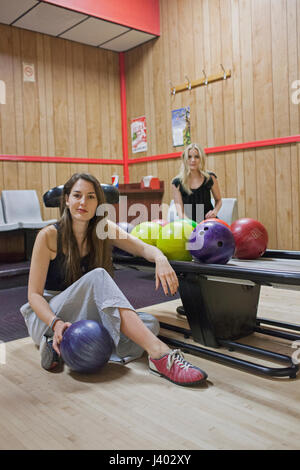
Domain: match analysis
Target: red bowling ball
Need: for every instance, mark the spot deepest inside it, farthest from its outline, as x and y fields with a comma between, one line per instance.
x=251, y=238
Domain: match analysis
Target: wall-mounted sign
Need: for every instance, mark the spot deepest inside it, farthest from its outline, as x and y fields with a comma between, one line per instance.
x=28, y=72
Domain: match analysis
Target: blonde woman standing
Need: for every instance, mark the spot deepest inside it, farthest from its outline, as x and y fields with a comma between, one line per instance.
x=194, y=186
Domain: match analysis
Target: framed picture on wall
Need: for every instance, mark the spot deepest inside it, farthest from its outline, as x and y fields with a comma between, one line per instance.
x=181, y=127
x=138, y=135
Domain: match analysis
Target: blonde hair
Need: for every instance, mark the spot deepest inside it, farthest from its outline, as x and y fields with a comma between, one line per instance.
x=185, y=170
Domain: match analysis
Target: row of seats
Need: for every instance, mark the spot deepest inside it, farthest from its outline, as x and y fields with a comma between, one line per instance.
x=20, y=209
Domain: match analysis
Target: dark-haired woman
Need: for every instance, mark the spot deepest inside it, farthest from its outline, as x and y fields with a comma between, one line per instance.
x=70, y=279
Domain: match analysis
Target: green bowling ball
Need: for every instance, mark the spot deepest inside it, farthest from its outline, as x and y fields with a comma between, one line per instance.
x=173, y=238
x=190, y=221
x=148, y=232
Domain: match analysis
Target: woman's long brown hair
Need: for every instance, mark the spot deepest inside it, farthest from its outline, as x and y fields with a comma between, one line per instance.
x=99, y=250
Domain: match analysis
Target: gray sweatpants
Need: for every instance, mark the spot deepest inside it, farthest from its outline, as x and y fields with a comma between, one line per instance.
x=95, y=296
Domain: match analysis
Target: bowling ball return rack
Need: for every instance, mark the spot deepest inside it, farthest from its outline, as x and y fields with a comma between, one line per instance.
x=220, y=303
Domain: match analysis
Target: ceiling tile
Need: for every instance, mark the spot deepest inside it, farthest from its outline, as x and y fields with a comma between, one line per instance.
x=94, y=32
x=10, y=10
x=128, y=40
x=49, y=19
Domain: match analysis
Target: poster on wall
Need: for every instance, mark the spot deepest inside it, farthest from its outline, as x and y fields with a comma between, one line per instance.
x=181, y=127
x=138, y=135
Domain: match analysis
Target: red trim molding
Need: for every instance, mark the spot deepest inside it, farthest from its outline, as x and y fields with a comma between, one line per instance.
x=223, y=149
x=91, y=161
x=164, y=156
x=257, y=143
x=124, y=116
x=126, y=161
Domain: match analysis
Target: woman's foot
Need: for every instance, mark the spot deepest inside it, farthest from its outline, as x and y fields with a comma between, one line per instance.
x=49, y=358
x=172, y=366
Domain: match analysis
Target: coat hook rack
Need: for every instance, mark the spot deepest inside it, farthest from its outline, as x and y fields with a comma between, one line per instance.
x=200, y=82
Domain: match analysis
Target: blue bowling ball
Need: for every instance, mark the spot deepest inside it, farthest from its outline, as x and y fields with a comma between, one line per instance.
x=212, y=242
x=86, y=346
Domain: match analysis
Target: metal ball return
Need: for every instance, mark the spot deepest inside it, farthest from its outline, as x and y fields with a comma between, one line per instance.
x=221, y=302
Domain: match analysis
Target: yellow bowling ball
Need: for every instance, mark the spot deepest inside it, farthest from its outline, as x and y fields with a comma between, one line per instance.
x=173, y=239
x=148, y=232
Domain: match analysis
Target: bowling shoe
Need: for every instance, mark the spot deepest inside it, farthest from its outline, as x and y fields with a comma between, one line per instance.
x=49, y=358
x=175, y=368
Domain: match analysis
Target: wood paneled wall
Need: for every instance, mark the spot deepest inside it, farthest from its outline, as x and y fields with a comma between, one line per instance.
x=259, y=41
x=71, y=110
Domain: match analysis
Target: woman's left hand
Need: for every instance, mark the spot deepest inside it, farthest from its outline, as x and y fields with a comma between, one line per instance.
x=165, y=274
x=59, y=329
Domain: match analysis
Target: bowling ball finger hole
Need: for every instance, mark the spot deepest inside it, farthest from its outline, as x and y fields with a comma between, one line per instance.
x=220, y=244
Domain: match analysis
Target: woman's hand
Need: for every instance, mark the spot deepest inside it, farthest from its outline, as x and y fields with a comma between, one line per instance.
x=59, y=328
x=211, y=214
x=165, y=274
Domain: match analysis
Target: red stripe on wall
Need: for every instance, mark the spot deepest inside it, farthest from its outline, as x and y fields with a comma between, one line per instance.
x=223, y=149
x=164, y=156
x=29, y=158
x=257, y=143
x=126, y=161
x=124, y=117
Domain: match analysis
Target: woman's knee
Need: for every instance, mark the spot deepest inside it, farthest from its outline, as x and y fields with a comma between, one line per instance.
x=97, y=273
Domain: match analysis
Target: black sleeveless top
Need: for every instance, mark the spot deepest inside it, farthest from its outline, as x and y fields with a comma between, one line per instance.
x=200, y=195
x=56, y=276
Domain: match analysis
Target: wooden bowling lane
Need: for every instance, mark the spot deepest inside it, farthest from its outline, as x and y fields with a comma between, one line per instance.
x=234, y=410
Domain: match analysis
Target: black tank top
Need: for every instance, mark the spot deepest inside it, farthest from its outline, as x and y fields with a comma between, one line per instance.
x=56, y=276
x=200, y=195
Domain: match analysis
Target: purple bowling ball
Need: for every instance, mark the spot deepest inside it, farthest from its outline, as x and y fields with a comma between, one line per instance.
x=86, y=346
x=127, y=227
x=212, y=242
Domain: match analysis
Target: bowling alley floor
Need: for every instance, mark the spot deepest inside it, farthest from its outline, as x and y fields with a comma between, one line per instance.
x=126, y=407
